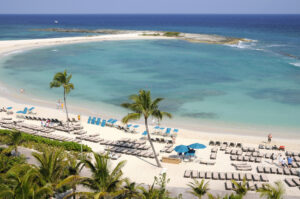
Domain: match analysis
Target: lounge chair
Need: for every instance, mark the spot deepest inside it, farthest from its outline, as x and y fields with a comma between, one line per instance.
x=267, y=170
x=296, y=181
x=227, y=151
x=228, y=185
x=246, y=158
x=229, y=176
x=93, y=120
x=222, y=176
x=258, y=160
x=89, y=120
x=239, y=158
x=251, y=186
x=232, y=144
x=233, y=157
x=223, y=147
x=195, y=174
x=260, y=169
x=290, y=182
x=248, y=176
x=251, y=159
x=208, y=175
x=264, y=178
x=242, y=176
x=213, y=156
x=261, y=146
x=279, y=171
x=273, y=170
x=201, y=174
x=103, y=123
x=212, y=143
x=255, y=177
x=235, y=176
x=215, y=175
x=98, y=121
x=294, y=172
x=239, y=145
x=217, y=143
x=286, y=171
x=214, y=150
x=187, y=173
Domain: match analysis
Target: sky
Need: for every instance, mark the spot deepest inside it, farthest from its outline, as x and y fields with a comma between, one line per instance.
x=149, y=6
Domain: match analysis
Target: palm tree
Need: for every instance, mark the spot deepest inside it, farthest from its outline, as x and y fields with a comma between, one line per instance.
x=131, y=190
x=52, y=165
x=74, y=167
x=15, y=139
x=240, y=189
x=24, y=181
x=104, y=181
x=143, y=105
x=63, y=79
x=272, y=192
x=199, y=189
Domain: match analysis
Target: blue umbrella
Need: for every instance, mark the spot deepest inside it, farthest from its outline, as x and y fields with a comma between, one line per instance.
x=181, y=149
x=144, y=133
x=9, y=108
x=197, y=146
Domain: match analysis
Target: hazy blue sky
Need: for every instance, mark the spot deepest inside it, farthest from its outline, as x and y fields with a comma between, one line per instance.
x=150, y=6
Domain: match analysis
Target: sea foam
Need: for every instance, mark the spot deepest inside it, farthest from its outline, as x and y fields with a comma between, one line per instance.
x=297, y=64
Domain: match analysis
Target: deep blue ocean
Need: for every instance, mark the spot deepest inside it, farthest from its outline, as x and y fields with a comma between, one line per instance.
x=256, y=83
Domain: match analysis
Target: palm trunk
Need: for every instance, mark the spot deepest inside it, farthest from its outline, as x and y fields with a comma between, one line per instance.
x=65, y=101
x=152, y=146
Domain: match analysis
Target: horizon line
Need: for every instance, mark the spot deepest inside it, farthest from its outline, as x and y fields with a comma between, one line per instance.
x=149, y=13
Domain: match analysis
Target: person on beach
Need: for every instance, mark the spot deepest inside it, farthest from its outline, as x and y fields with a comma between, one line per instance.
x=21, y=90
x=290, y=161
x=270, y=138
x=58, y=104
x=280, y=158
x=283, y=163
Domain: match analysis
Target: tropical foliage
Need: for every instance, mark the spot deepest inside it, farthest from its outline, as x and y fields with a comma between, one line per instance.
x=199, y=189
x=270, y=191
x=144, y=106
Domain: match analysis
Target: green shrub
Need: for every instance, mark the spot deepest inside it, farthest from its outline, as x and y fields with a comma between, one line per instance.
x=171, y=34
x=70, y=146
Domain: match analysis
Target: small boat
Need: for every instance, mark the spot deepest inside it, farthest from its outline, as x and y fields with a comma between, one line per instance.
x=55, y=21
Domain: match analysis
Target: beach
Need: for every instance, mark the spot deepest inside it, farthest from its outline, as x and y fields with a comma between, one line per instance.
x=146, y=166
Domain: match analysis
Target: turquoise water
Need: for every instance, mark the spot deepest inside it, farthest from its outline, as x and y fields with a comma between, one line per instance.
x=242, y=84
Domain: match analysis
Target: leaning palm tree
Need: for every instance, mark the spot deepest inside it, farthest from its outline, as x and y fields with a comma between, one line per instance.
x=199, y=189
x=52, y=165
x=272, y=192
x=143, y=106
x=15, y=139
x=63, y=79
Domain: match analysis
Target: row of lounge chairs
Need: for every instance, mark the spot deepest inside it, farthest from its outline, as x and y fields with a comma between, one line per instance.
x=274, y=170
x=225, y=144
x=54, y=120
x=242, y=167
x=234, y=151
x=252, y=186
x=57, y=137
x=294, y=154
x=90, y=138
x=268, y=147
x=131, y=151
x=245, y=158
x=162, y=140
x=137, y=145
x=167, y=149
x=293, y=182
x=225, y=176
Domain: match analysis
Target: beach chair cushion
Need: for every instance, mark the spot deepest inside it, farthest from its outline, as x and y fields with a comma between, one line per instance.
x=195, y=174
x=228, y=176
x=187, y=173
x=208, y=175
x=228, y=185
x=290, y=182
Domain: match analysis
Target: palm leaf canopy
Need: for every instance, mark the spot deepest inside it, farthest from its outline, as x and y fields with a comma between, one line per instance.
x=143, y=105
x=62, y=79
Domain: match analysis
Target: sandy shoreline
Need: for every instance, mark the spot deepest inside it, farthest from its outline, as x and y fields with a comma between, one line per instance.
x=185, y=136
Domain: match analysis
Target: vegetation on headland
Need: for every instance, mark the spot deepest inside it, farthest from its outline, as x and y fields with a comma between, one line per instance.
x=58, y=172
x=38, y=142
x=196, y=38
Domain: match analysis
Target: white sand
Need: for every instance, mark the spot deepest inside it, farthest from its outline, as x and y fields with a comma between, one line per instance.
x=142, y=170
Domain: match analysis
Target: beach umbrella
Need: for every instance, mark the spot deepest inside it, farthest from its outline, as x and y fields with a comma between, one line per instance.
x=197, y=146
x=181, y=149
x=31, y=108
x=9, y=108
x=144, y=133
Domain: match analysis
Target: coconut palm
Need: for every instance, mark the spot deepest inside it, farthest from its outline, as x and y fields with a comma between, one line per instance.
x=272, y=192
x=62, y=79
x=240, y=188
x=74, y=167
x=131, y=190
x=143, y=106
x=199, y=189
x=104, y=180
x=24, y=181
x=52, y=165
x=15, y=139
